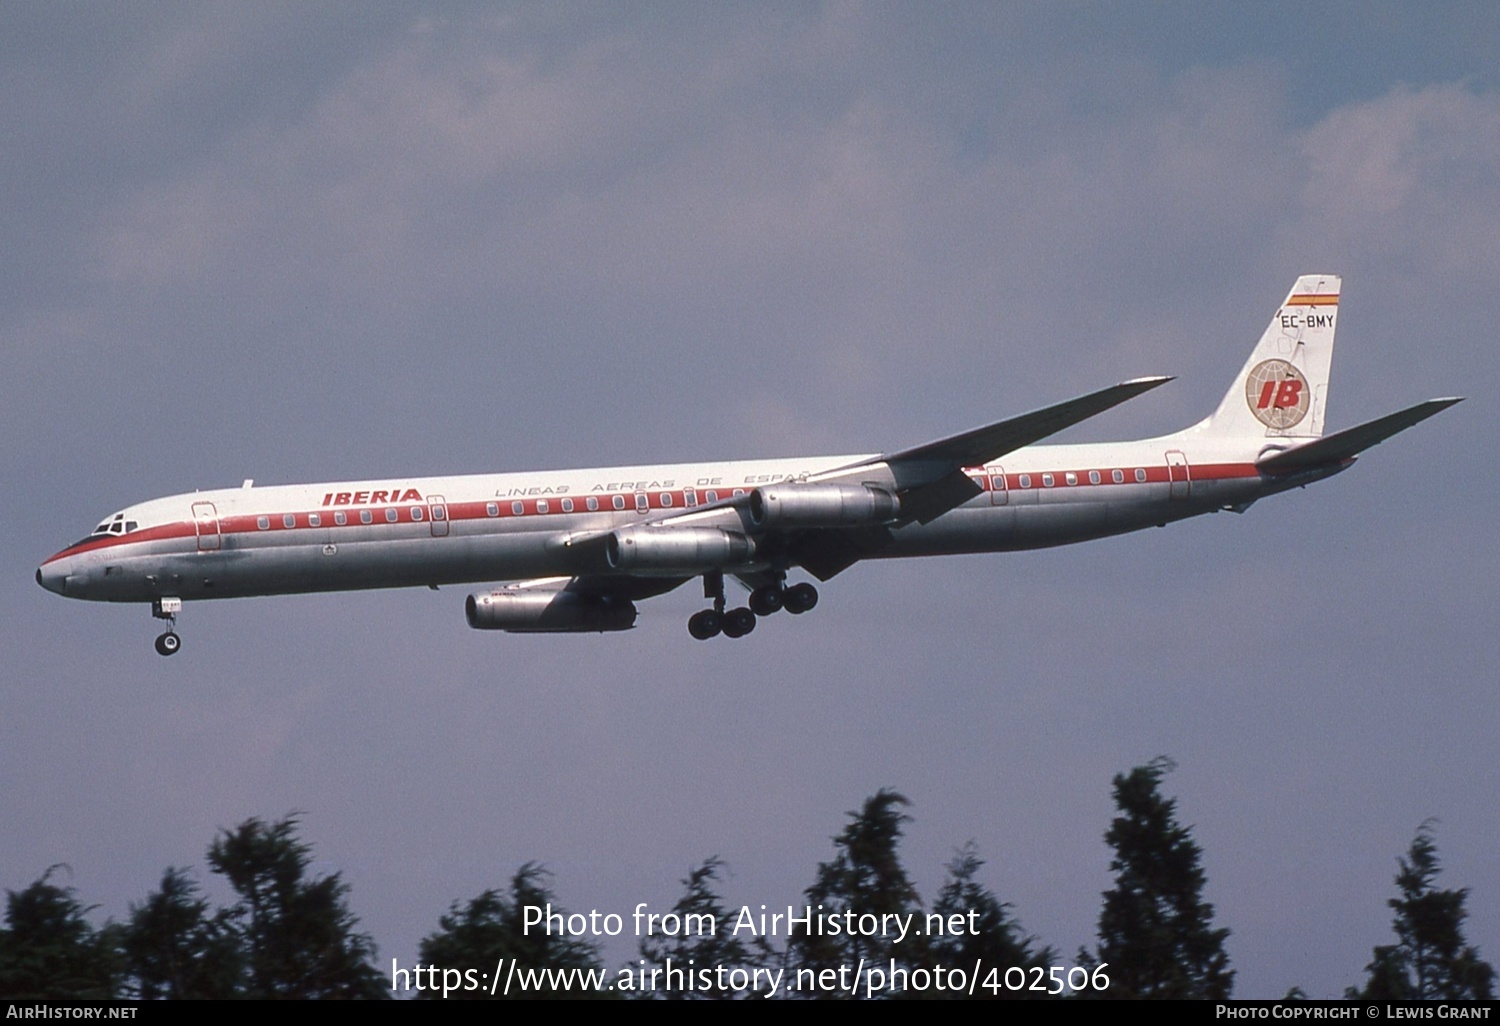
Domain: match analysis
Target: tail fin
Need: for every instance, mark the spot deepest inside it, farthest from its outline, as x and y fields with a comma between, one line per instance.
x=1283, y=389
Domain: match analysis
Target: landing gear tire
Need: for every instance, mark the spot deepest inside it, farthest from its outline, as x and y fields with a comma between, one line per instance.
x=738, y=622
x=766, y=599
x=168, y=643
x=705, y=624
x=799, y=598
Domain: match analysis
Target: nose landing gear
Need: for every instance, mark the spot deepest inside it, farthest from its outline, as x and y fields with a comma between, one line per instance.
x=167, y=609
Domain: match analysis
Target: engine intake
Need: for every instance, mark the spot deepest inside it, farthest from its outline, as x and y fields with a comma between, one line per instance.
x=544, y=611
x=821, y=505
x=676, y=550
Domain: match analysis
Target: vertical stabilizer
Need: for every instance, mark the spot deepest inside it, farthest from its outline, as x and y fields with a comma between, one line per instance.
x=1282, y=391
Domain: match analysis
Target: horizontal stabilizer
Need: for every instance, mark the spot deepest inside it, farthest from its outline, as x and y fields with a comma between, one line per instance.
x=1345, y=445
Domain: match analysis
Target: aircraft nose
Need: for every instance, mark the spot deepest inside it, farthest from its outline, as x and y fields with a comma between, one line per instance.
x=52, y=576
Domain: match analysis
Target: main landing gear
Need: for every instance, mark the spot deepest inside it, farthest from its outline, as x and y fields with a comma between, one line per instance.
x=765, y=600
x=167, y=609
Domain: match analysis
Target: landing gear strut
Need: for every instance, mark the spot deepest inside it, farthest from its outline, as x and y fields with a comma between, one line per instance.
x=765, y=600
x=709, y=623
x=167, y=609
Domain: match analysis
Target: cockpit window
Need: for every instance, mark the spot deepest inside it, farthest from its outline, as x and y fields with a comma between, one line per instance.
x=115, y=525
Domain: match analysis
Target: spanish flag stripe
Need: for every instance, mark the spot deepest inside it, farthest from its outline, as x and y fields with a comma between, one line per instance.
x=1312, y=300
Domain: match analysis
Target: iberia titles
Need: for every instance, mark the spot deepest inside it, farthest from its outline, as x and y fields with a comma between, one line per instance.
x=371, y=498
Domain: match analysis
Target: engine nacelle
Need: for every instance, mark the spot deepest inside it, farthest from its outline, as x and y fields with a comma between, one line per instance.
x=821, y=505
x=541, y=610
x=676, y=550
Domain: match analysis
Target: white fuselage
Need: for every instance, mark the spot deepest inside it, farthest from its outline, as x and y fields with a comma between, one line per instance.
x=491, y=527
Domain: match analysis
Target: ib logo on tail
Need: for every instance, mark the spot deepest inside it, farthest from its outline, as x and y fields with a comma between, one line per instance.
x=1277, y=393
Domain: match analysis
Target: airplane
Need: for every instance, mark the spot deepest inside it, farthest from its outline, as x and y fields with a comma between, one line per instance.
x=579, y=548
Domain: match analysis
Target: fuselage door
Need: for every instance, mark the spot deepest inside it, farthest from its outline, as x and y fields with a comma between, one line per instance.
x=437, y=515
x=998, y=495
x=206, y=524
x=1178, y=474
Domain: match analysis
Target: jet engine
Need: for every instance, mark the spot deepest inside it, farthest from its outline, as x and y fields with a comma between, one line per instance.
x=821, y=505
x=548, y=611
x=676, y=550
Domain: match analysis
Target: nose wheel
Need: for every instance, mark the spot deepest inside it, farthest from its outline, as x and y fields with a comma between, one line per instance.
x=167, y=609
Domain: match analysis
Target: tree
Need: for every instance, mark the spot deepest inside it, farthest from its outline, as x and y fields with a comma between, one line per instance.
x=489, y=931
x=697, y=945
x=990, y=937
x=1155, y=929
x=175, y=949
x=1429, y=960
x=297, y=934
x=866, y=878
x=50, y=950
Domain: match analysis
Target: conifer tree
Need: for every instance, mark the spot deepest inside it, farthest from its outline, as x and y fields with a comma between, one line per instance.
x=1155, y=930
x=296, y=934
x=174, y=949
x=1429, y=960
x=865, y=877
x=991, y=936
x=490, y=931
x=696, y=947
x=49, y=949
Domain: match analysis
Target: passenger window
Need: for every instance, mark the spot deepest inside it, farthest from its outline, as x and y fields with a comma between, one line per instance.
x=711, y=495
x=541, y=506
x=518, y=508
x=340, y=519
x=289, y=520
x=666, y=499
x=416, y=512
x=1140, y=475
x=366, y=517
x=492, y=509
x=1071, y=478
x=1046, y=480
x=689, y=498
x=1117, y=476
x=592, y=503
x=619, y=502
x=313, y=520
x=1024, y=480
x=390, y=516
x=1093, y=477
x=264, y=523
x=567, y=505
x=642, y=503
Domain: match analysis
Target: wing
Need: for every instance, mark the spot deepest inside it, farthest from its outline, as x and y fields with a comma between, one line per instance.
x=926, y=481
x=930, y=478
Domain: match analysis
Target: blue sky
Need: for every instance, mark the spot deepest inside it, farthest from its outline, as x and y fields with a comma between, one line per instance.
x=304, y=244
